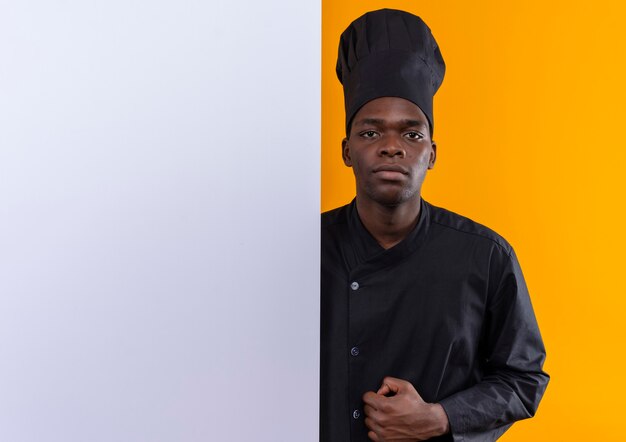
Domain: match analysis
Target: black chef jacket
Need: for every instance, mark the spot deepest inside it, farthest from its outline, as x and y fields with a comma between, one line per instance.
x=446, y=309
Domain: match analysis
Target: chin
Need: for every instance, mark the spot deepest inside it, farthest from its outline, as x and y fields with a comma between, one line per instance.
x=393, y=198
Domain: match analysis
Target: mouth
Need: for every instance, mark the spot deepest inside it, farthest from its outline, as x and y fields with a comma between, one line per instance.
x=391, y=168
x=390, y=172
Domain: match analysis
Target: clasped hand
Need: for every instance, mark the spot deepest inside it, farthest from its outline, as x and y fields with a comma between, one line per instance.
x=396, y=412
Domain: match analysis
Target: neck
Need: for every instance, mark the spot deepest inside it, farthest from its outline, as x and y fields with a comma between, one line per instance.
x=388, y=224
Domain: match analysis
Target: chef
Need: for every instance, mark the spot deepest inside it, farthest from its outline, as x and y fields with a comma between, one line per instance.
x=428, y=332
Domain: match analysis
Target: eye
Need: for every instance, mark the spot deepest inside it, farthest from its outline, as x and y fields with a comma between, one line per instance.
x=414, y=135
x=369, y=134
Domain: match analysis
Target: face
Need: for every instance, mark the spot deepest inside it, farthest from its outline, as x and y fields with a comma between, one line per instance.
x=389, y=150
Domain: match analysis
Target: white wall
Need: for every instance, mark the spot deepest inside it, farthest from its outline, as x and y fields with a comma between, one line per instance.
x=159, y=210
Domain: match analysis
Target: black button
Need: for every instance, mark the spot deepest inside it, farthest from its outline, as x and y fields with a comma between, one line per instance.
x=356, y=414
x=354, y=351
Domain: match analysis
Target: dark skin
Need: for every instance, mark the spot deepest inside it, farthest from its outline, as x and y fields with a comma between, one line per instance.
x=390, y=150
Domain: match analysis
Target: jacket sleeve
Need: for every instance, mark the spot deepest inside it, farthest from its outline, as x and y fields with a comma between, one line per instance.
x=513, y=381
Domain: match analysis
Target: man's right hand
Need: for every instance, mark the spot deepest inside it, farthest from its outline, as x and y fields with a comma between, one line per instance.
x=405, y=416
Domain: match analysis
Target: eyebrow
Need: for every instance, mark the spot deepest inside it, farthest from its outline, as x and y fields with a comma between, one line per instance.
x=380, y=121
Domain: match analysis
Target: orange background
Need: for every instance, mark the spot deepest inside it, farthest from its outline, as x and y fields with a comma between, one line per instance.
x=530, y=128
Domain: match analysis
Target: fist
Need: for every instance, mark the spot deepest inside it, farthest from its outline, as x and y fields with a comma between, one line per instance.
x=396, y=412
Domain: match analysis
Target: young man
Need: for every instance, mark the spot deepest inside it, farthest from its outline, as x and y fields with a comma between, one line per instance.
x=427, y=327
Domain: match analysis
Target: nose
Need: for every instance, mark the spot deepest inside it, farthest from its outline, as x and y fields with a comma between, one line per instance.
x=391, y=147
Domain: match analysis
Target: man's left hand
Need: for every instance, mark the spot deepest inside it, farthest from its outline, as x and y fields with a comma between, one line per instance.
x=403, y=416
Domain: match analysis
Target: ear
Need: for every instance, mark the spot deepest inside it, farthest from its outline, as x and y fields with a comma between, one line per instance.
x=345, y=152
x=433, y=155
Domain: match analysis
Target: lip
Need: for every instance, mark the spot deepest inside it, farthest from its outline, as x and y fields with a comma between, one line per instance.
x=390, y=168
